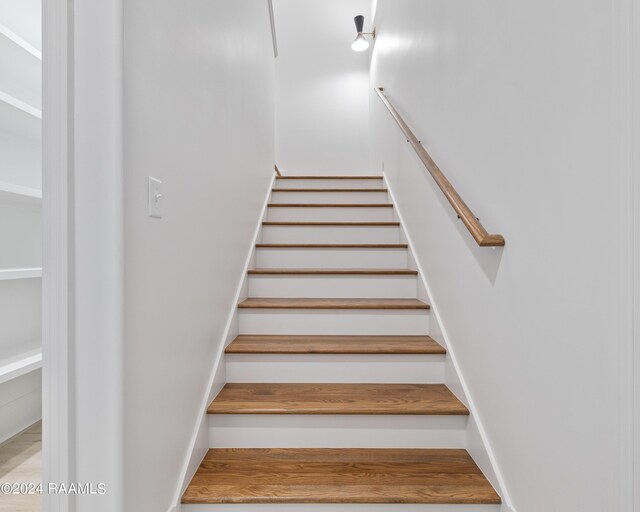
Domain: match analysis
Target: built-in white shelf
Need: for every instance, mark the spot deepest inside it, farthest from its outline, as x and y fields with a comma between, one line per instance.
x=20, y=192
x=21, y=364
x=21, y=75
x=17, y=40
x=7, y=274
x=20, y=105
x=19, y=118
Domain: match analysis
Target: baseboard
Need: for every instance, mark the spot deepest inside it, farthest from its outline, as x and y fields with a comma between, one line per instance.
x=477, y=440
x=199, y=443
x=20, y=404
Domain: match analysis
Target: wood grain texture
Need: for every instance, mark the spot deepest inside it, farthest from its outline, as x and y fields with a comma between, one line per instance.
x=330, y=205
x=383, y=399
x=324, y=303
x=326, y=475
x=275, y=168
x=329, y=190
x=333, y=272
x=21, y=463
x=351, y=223
x=477, y=230
x=325, y=177
x=332, y=246
x=303, y=344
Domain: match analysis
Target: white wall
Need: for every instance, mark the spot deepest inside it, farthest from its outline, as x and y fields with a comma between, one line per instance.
x=322, y=109
x=96, y=260
x=515, y=101
x=198, y=115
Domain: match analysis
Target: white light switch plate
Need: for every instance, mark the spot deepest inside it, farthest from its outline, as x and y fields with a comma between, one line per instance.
x=155, y=198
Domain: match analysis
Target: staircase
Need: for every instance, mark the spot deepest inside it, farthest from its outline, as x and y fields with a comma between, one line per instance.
x=335, y=396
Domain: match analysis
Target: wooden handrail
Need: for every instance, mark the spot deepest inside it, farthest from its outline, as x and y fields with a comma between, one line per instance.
x=481, y=236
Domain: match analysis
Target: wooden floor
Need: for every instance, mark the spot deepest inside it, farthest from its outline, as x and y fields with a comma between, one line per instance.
x=21, y=462
x=339, y=476
x=402, y=399
x=310, y=344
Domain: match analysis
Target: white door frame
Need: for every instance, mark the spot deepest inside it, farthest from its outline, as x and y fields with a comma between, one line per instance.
x=626, y=170
x=629, y=23
x=57, y=268
x=634, y=15
x=626, y=80
x=83, y=251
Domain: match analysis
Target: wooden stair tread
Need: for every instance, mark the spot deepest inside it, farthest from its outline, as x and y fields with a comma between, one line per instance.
x=385, y=399
x=330, y=205
x=304, y=223
x=333, y=246
x=330, y=475
x=334, y=271
x=325, y=303
x=329, y=190
x=302, y=344
x=325, y=177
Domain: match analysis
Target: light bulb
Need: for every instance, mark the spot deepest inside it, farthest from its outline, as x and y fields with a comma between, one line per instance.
x=360, y=44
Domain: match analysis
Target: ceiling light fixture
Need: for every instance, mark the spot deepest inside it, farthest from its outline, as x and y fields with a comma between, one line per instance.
x=361, y=44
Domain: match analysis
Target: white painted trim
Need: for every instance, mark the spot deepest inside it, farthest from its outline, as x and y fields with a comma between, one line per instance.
x=11, y=189
x=451, y=354
x=273, y=28
x=14, y=367
x=625, y=118
x=631, y=12
x=58, y=446
x=8, y=274
x=15, y=38
x=193, y=459
x=20, y=105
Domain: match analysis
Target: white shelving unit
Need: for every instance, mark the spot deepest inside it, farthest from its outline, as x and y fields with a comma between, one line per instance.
x=20, y=273
x=17, y=40
x=19, y=365
x=20, y=192
x=20, y=214
x=19, y=118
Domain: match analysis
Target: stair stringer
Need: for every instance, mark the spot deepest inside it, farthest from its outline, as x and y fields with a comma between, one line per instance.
x=477, y=440
x=199, y=443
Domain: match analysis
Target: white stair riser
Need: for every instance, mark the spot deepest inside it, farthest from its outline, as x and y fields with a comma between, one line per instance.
x=335, y=431
x=331, y=321
x=331, y=234
x=336, y=368
x=330, y=197
x=330, y=214
x=338, y=507
x=330, y=258
x=385, y=287
x=328, y=183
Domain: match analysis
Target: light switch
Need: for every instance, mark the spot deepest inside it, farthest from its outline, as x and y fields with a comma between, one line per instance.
x=155, y=198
